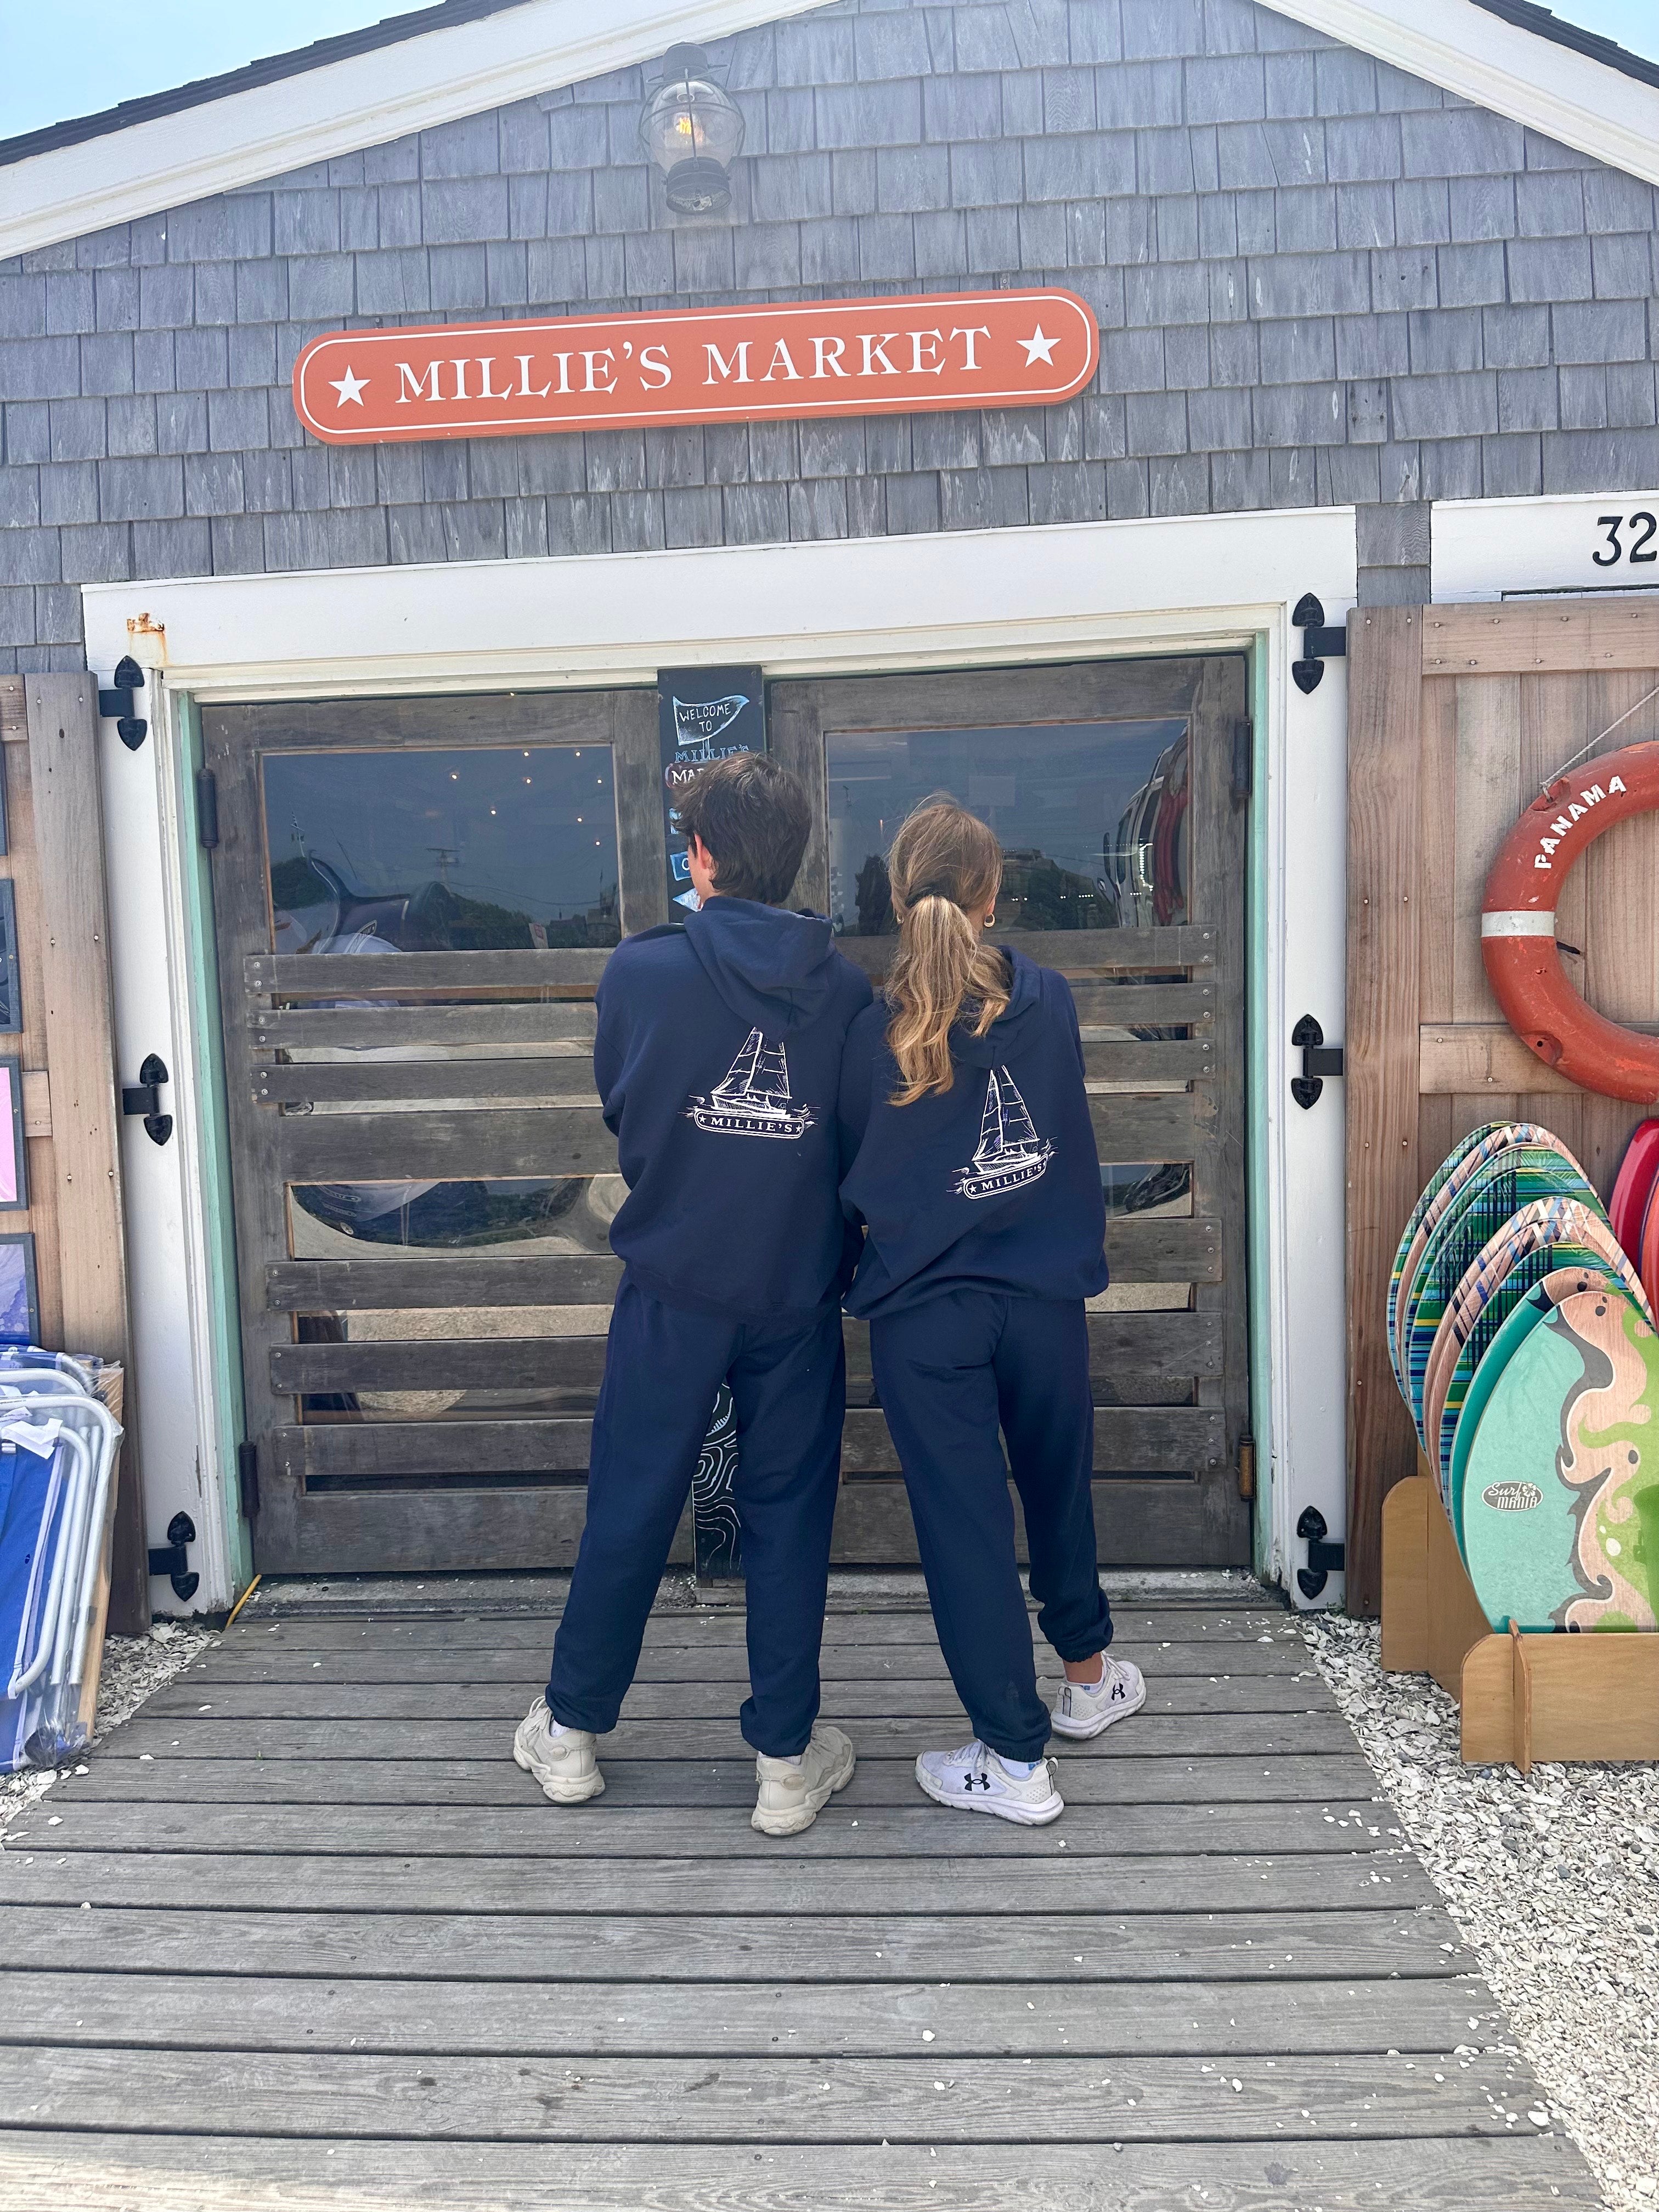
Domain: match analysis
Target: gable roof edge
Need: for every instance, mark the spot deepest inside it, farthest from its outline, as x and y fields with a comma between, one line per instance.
x=245, y=138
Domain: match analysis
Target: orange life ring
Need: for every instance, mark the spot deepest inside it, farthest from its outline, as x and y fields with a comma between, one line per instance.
x=1518, y=926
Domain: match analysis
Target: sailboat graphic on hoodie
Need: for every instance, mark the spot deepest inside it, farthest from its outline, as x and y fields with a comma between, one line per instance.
x=753, y=1099
x=1009, y=1154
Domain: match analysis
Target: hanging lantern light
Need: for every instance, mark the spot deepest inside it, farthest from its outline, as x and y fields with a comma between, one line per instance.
x=692, y=129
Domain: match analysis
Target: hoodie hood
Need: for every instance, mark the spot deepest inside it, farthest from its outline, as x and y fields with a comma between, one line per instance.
x=1015, y=1027
x=777, y=971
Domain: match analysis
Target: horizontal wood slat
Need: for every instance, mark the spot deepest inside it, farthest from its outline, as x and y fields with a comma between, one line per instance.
x=566, y=1075
x=361, y=975
x=1537, y=638
x=1128, y=1440
x=570, y=1075
x=525, y=1021
x=532, y=1140
x=369, y=1285
x=1173, y=1344
x=1140, y=1249
x=1129, y=1129
x=1464, y=1059
x=1123, y=1003
x=1073, y=950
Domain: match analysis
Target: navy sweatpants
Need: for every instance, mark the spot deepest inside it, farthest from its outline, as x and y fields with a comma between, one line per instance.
x=948, y=1372
x=662, y=1368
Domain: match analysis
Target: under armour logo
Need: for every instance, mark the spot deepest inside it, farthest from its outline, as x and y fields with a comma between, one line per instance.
x=971, y=1782
x=1117, y=1691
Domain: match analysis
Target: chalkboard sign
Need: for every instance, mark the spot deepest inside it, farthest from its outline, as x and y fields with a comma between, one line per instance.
x=703, y=715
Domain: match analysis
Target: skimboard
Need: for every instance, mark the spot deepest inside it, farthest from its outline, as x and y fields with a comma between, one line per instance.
x=1647, y=1261
x=1500, y=1188
x=1431, y=1190
x=1639, y=1172
x=1559, y=1234
x=1543, y=1299
x=1561, y=1492
x=1501, y=1137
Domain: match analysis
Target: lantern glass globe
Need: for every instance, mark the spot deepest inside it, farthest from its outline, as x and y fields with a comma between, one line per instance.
x=693, y=129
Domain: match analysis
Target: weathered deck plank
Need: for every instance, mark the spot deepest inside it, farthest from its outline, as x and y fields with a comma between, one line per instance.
x=745, y=2101
x=201, y=1735
x=502, y=1705
x=545, y=1831
x=224, y=2172
x=693, y=1632
x=870, y=1946
x=1130, y=1885
x=1013, y=2019
x=1128, y=1778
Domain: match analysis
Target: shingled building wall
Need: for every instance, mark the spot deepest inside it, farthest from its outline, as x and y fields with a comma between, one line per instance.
x=1318, y=280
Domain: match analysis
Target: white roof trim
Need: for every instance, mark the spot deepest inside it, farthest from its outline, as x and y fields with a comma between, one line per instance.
x=438, y=76
x=366, y=99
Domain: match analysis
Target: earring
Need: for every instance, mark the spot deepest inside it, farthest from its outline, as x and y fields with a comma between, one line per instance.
x=990, y=918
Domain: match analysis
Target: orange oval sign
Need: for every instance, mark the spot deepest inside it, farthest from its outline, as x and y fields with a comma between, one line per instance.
x=707, y=365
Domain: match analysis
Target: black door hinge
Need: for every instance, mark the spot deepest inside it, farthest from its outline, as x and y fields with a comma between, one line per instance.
x=1243, y=775
x=172, y=1562
x=247, y=1478
x=1324, y=1559
x=144, y=1097
x=1318, y=1060
x=207, y=808
x=1319, y=644
x=117, y=705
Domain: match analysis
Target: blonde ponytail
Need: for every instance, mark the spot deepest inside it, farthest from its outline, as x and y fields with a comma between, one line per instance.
x=945, y=870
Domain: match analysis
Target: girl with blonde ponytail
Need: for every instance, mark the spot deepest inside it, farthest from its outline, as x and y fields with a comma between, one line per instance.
x=971, y=1164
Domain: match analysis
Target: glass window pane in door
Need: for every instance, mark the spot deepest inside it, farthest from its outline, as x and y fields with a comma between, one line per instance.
x=1092, y=816
x=472, y=850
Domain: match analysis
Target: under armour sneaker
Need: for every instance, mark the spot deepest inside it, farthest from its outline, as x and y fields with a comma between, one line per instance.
x=792, y=1792
x=566, y=1764
x=976, y=1779
x=1084, y=1708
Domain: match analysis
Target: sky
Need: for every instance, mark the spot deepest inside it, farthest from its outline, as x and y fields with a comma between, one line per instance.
x=66, y=57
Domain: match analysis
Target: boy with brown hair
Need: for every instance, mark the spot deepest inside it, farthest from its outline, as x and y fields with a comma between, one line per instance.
x=718, y=1058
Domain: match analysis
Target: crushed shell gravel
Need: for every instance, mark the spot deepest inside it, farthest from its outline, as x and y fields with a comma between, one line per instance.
x=1554, y=1882
x=134, y=1665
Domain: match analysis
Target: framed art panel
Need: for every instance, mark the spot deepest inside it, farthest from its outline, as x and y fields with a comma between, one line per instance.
x=11, y=988
x=20, y=1294
x=14, y=1152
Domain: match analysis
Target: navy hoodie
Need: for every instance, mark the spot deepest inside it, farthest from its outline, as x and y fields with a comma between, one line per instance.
x=992, y=1185
x=717, y=1056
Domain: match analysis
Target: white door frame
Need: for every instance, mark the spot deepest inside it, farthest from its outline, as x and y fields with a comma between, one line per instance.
x=1185, y=584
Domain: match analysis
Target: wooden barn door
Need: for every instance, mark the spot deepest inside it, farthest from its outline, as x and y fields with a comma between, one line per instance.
x=1458, y=716
x=413, y=902
x=1112, y=787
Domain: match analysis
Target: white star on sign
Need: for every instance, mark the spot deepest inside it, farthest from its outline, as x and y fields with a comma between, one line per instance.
x=349, y=388
x=1037, y=347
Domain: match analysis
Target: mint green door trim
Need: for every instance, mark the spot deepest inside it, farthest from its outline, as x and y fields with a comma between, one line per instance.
x=222, y=1318
x=1255, y=1120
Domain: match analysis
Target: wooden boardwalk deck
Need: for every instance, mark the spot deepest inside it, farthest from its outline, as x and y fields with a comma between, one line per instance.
x=303, y=1936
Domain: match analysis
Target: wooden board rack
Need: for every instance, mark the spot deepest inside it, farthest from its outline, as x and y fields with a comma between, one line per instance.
x=1523, y=1697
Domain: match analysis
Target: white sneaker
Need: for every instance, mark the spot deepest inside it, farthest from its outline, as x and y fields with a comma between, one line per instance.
x=1085, y=1708
x=976, y=1780
x=792, y=1792
x=567, y=1764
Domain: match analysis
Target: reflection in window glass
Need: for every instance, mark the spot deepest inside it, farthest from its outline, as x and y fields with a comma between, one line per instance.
x=1092, y=818
x=532, y=1215
x=1165, y=1187
x=467, y=851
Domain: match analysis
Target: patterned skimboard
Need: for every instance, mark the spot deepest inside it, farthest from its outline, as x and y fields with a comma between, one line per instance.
x=1638, y=1171
x=1541, y=1299
x=1499, y=1137
x=1561, y=1490
x=1551, y=1233
x=1649, y=1259
x=1499, y=1188
x=1408, y=1243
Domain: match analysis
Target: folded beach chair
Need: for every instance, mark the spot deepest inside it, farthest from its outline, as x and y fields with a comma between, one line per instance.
x=58, y=1453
